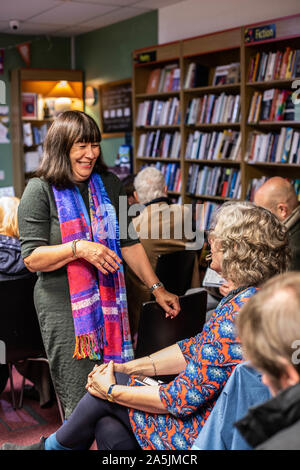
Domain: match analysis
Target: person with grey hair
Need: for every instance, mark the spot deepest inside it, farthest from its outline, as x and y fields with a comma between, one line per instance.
x=160, y=228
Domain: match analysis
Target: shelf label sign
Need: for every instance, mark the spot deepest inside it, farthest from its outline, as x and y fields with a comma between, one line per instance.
x=145, y=57
x=260, y=33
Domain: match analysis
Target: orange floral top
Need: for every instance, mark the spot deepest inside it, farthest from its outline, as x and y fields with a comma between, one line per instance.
x=211, y=357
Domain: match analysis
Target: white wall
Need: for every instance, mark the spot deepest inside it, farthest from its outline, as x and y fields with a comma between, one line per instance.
x=195, y=17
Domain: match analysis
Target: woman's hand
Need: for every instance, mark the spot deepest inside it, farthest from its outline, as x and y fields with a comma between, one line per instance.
x=100, y=379
x=168, y=301
x=99, y=255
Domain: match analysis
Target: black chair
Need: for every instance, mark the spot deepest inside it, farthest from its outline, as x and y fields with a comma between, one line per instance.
x=19, y=329
x=175, y=270
x=157, y=332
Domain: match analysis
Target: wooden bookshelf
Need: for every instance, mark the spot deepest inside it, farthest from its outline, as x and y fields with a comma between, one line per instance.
x=39, y=82
x=210, y=53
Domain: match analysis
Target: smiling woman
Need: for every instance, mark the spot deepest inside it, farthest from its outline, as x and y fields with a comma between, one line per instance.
x=69, y=235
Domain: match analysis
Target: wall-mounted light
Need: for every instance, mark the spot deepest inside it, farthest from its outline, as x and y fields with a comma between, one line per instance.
x=63, y=94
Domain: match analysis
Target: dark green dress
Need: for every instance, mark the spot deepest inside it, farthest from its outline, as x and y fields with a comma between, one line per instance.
x=39, y=226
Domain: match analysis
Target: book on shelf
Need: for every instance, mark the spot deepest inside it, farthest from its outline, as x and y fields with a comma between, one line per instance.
x=213, y=181
x=196, y=76
x=164, y=79
x=226, y=74
x=204, y=213
x=283, y=147
x=272, y=105
x=213, y=109
x=153, y=81
x=275, y=65
x=215, y=145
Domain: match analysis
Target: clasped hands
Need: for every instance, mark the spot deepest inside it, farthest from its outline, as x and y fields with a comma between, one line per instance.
x=100, y=379
x=102, y=257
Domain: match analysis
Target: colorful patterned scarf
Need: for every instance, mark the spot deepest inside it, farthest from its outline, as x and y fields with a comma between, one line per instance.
x=98, y=301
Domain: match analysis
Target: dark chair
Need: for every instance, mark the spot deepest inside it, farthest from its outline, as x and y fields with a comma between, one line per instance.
x=19, y=328
x=157, y=332
x=175, y=270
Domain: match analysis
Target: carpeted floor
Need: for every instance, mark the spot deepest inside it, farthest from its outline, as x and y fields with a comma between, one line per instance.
x=28, y=424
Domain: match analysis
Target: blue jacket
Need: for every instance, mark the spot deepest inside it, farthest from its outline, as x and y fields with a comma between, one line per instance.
x=243, y=390
x=11, y=263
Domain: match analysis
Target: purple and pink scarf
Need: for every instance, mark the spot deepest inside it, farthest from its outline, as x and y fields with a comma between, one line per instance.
x=98, y=301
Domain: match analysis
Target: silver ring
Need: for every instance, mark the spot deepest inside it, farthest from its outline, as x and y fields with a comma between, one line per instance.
x=102, y=264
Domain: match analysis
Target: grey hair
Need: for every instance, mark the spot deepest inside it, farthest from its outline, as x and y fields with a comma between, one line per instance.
x=149, y=184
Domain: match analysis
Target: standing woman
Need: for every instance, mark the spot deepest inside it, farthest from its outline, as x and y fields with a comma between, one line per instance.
x=69, y=235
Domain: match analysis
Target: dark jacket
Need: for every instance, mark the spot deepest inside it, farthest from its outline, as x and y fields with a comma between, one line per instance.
x=274, y=425
x=293, y=225
x=11, y=263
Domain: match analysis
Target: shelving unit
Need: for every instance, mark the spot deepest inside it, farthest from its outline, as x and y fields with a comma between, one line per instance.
x=209, y=52
x=39, y=82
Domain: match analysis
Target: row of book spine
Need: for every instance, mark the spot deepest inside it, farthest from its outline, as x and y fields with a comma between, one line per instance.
x=214, y=181
x=283, y=147
x=158, y=112
x=164, y=79
x=159, y=144
x=272, y=105
x=279, y=65
x=34, y=135
x=215, y=145
x=213, y=109
x=256, y=183
x=204, y=214
x=172, y=174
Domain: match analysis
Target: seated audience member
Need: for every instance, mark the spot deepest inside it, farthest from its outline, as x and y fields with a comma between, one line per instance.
x=248, y=246
x=279, y=196
x=12, y=268
x=160, y=227
x=243, y=389
x=269, y=328
x=11, y=262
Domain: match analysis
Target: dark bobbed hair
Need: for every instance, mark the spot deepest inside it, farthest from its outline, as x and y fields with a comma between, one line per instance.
x=68, y=128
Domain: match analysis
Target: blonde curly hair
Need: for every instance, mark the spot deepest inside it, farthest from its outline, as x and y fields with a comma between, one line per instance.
x=254, y=243
x=8, y=216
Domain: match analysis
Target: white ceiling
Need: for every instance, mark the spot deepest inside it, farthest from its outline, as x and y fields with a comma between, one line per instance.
x=71, y=17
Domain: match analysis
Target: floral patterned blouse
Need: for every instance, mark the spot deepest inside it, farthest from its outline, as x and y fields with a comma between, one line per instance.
x=211, y=357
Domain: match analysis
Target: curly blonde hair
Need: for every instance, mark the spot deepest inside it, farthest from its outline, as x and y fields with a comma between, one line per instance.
x=254, y=243
x=8, y=216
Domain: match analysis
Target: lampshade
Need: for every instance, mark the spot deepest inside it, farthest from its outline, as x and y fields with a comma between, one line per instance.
x=62, y=90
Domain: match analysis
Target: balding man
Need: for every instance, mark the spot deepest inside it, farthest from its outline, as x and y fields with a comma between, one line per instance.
x=278, y=195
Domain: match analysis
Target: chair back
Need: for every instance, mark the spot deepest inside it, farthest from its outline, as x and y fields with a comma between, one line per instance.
x=19, y=327
x=157, y=332
x=175, y=270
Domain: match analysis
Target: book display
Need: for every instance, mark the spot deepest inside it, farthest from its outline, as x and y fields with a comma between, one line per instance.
x=234, y=119
x=37, y=97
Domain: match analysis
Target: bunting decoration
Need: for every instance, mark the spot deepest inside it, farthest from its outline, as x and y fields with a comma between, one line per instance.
x=24, y=51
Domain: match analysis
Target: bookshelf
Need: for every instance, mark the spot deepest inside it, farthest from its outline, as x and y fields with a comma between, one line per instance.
x=213, y=101
x=37, y=96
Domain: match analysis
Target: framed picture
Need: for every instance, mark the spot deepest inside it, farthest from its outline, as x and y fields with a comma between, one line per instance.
x=29, y=105
x=116, y=108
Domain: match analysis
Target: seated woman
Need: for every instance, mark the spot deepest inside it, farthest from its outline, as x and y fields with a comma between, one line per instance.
x=12, y=268
x=11, y=262
x=248, y=246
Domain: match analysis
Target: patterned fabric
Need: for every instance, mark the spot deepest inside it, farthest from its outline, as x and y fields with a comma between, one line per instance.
x=98, y=301
x=211, y=357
